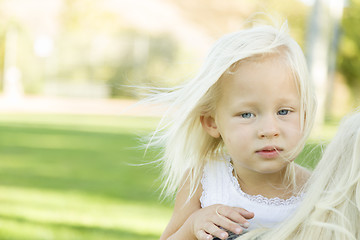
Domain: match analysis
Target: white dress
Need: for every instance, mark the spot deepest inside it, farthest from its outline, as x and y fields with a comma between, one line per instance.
x=221, y=187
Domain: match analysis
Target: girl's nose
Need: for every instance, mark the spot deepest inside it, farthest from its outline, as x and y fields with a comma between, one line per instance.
x=268, y=128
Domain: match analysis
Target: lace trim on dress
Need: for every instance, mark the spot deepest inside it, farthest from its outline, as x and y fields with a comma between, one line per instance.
x=204, y=195
x=261, y=199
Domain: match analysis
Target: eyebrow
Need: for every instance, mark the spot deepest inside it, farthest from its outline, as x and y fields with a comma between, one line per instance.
x=251, y=103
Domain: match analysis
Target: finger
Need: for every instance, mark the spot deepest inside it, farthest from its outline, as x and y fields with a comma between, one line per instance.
x=202, y=235
x=227, y=224
x=246, y=214
x=234, y=215
x=215, y=231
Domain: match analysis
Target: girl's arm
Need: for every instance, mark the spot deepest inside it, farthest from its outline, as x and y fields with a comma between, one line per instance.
x=182, y=210
x=190, y=221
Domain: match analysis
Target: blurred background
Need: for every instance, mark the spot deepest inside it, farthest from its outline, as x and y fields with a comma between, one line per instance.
x=68, y=128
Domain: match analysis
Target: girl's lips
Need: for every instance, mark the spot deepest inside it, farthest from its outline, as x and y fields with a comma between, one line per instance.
x=269, y=152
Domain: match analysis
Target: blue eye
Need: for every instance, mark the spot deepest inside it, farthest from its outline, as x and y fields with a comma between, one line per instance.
x=283, y=112
x=247, y=115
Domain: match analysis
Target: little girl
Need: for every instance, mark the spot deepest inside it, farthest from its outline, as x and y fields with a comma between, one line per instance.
x=235, y=131
x=331, y=208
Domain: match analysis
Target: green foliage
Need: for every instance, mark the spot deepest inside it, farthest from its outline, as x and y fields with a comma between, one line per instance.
x=294, y=11
x=145, y=61
x=115, y=56
x=2, y=53
x=348, y=60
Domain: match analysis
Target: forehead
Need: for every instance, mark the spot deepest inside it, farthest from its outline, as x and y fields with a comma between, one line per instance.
x=260, y=77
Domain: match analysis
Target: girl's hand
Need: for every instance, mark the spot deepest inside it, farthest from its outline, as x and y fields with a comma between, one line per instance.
x=211, y=221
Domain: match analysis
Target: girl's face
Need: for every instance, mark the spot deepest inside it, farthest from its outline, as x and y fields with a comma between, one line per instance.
x=258, y=116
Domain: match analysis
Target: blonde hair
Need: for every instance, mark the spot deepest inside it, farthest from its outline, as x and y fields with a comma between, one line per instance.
x=186, y=146
x=331, y=207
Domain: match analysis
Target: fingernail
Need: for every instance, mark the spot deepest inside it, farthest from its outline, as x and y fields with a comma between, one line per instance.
x=238, y=230
x=245, y=225
x=223, y=235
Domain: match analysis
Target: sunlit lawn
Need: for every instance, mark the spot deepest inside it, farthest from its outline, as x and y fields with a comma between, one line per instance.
x=70, y=177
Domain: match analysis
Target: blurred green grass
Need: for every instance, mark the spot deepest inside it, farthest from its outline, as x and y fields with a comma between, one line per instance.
x=70, y=177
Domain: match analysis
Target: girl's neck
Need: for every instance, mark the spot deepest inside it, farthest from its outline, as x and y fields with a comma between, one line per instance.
x=269, y=185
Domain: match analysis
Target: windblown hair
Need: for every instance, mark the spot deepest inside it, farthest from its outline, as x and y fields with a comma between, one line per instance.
x=186, y=145
x=331, y=207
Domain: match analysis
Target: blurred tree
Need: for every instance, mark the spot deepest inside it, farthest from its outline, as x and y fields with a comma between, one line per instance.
x=25, y=21
x=297, y=14
x=80, y=46
x=218, y=17
x=2, y=54
x=348, y=60
x=319, y=38
x=2, y=45
x=147, y=60
x=91, y=49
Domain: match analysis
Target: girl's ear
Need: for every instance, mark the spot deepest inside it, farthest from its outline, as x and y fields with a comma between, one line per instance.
x=209, y=125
